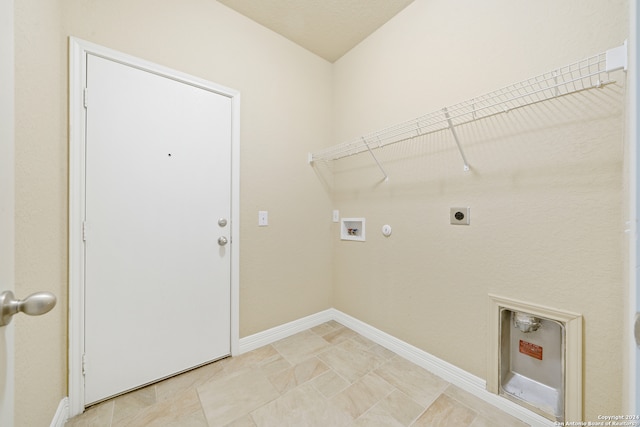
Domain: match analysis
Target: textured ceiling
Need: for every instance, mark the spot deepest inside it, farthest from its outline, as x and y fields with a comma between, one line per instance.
x=328, y=28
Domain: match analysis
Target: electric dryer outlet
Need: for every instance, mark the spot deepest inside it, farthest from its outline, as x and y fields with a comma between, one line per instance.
x=460, y=216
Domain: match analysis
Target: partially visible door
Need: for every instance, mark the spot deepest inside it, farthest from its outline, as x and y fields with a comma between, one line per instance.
x=633, y=133
x=6, y=204
x=157, y=250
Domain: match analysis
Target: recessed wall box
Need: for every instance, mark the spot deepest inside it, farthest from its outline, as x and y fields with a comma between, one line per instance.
x=532, y=363
x=352, y=229
x=535, y=358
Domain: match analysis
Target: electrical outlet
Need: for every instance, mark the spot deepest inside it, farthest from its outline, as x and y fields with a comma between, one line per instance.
x=460, y=216
x=336, y=216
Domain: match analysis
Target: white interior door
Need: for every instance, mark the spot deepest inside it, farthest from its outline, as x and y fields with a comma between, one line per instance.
x=158, y=194
x=6, y=204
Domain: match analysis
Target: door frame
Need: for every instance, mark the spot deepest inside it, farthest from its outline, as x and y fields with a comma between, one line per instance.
x=631, y=404
x=78, y=51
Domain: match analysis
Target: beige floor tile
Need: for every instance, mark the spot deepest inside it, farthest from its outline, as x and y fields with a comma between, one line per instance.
x=372, y=347
x=334, y=324
x=299, y=347
x=251, y=360
x=401, y=407
x=131, y=403
x=275, y=365
x=379, y=350
x=446, y=412
x=299, y=374
x=417, y=383
x=363, y=342
x=351, y=361
x=245, y=421
x=495, y=416
x=303, y=406
x=183, y=410
x=339, y=335
x=480, y=421
x=330, y=384
x=377, y=417
x=169, y=388
x=325, y=328
x=230, y=397
x=97, y=416
x=362, y=395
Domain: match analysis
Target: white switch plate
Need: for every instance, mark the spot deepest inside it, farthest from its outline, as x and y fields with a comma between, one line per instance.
x=263, y=218
x=336, y=216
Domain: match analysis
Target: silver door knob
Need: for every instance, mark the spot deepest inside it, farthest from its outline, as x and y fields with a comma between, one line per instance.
x=222, y=241
x=636, y=329
x=33, y=305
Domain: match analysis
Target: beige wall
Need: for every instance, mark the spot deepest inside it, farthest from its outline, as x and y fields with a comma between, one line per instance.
x=545, y=189
x=41, y=208
x=285, y=271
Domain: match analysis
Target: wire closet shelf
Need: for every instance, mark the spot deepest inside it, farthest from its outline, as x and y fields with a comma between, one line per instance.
x=589, y=73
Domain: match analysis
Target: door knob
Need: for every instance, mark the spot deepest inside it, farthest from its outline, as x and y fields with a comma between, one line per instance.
x=222, y=241
x=636, y=329
x=33, y=305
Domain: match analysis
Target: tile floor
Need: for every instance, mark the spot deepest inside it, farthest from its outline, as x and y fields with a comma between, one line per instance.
x=326, y=376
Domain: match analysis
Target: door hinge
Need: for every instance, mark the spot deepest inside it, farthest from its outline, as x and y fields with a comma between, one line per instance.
x=84, y=231
x=85, y=97
x=84, y=364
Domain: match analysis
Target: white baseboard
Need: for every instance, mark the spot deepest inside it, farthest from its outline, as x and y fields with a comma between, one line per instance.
x=62, y=414
x=283, y=331
x=450, y=373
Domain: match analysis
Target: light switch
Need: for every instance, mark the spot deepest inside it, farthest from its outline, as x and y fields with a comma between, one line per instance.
x=263, y=218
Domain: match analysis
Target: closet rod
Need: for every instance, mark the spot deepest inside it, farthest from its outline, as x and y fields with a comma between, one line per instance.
x=589, y=73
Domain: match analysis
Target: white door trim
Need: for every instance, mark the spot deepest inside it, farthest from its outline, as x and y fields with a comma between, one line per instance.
x=78, y=51
x=632, y=356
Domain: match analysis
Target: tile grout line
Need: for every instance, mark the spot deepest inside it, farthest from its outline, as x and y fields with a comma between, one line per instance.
x=478, y=413
x=398, y=390
x=393, y=388
x=204, y=414
x=113, y=412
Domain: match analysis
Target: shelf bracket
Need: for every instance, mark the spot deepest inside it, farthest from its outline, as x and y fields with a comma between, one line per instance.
x=455, y=137
x=616, y=58
x=386, y=177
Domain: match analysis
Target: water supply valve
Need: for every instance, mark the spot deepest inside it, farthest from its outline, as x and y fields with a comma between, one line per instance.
x=525, y=322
